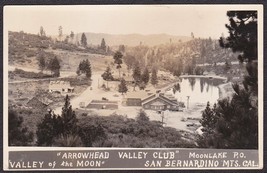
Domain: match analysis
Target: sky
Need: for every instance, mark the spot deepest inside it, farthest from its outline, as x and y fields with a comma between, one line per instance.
x=203, y=20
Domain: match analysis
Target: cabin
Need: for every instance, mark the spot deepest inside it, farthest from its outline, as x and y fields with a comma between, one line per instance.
x=102, y=104
x=151, y=100
x=60, y=86
x=39, y=102
x=135, y=98
x=129, y=79
x=160, y=102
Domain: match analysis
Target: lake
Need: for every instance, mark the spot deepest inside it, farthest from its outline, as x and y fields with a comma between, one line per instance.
x=199, y=89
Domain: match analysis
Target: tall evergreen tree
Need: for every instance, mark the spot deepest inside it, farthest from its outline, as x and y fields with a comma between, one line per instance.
x=41, y=61
x=137, y=75
x=231, y=123
x=88, y=71
x=122, y=48
x=243, y=34
x=142, y=116
x=69, y=119
x=118, y=60
x=49, y=129
x=123, y=87
x=103, y=44
x=244, y=38
x=145, y=76
x=83, y=40
x=85, y=68
x=54, y=67
x=72, y=35
x=42, y=32
x=154, y=77
x=107, y=75
x=176, y=88
x=53, y=126
x=208, y=120
x=60, y=33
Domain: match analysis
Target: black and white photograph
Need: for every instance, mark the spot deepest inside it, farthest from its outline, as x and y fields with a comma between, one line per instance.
x=133, y=78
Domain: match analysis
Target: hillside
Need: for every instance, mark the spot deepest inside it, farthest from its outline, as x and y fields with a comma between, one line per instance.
x=24, y=50
x=131, y=39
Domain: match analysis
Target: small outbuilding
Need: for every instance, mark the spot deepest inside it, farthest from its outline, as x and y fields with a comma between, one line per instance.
x=39, y=102
x=60, y=86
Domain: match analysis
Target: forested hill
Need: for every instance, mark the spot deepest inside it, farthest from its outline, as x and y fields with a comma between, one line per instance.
x=181, y=57
x=202, y=50
x=132, y=39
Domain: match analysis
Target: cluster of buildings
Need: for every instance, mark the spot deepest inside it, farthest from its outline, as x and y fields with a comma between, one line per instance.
x=152, y=100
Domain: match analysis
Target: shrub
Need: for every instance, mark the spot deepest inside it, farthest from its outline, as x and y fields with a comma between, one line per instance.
x=68, y=141
x=18, y=135
x=26, y=74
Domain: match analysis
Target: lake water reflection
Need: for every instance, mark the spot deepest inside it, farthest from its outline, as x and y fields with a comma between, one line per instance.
x=199, y=90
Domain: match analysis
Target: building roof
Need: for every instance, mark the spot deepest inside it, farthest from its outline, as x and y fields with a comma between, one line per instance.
x=45, y=100
x=162, y=97
x=137, y=94
x=59, y=83
x=42, y=100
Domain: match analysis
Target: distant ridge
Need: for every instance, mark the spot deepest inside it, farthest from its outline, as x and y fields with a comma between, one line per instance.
x=131, y=39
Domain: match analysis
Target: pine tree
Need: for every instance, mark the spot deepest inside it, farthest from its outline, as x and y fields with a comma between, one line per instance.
x=118, y=60
x=244, y=38
x=145, y=76
x=84, y=68
x=60, y=32
x=137, y=75
x=231, y=123
x=122, y=48
x=49, y=129
x=103, y=44
x=88, y=71
x=54, y=66
x=208, y=120
x=243, y=34
x=83, y=40
x=107, y=75
x=42, y=31
x=154, y=78
x=53, y=126
x=69, y=119
x=17, y=134
x=176, y=88
x=142, y=116
x=72, y=36
x=123, y=87
x=129, y=60
x=41, y=61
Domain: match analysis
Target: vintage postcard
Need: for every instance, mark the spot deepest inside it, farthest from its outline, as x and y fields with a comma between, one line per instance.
x=117, y=87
